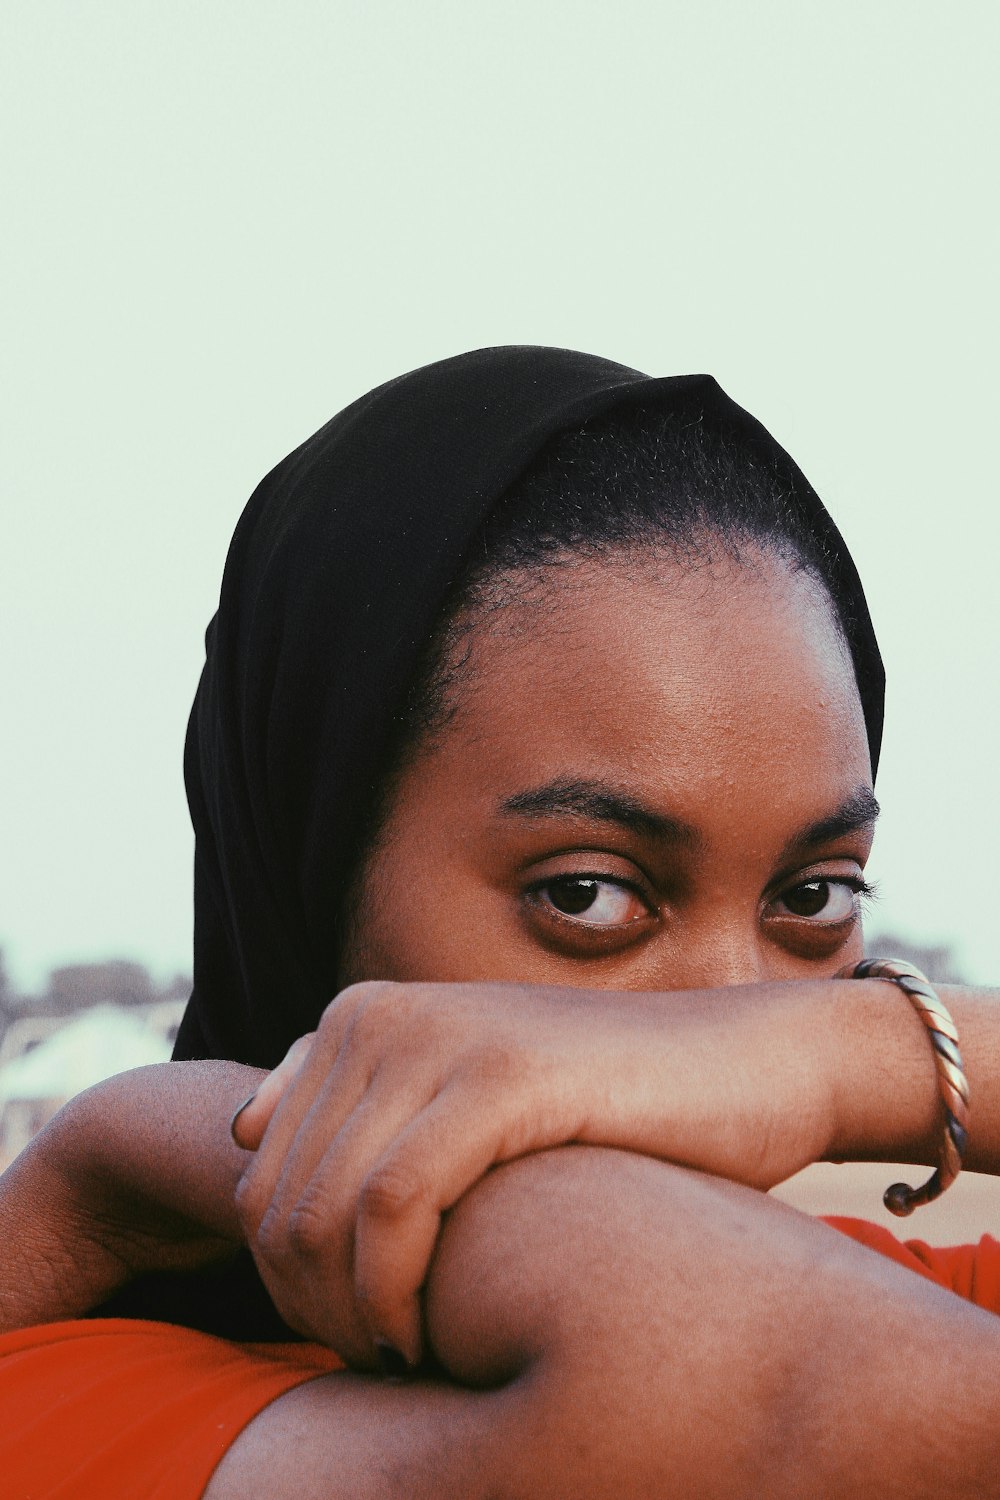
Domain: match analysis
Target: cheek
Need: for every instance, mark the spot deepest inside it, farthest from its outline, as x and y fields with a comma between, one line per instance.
x=421, y=914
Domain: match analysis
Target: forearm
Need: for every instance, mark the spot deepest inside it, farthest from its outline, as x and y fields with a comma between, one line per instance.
x=754, y=1082
x=136, y=1174
x=631, y=1328
x=722, y=1344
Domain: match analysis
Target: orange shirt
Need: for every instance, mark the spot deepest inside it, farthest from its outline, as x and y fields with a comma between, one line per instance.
x=115, y=1409
x=971, y=1271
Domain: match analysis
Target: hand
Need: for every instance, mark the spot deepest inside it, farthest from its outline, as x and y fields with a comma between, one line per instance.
x=408, y=1094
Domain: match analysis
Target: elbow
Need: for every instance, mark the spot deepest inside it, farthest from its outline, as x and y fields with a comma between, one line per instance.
x=629, y=1351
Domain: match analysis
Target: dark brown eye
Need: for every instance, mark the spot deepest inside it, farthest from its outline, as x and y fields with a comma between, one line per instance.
x=572, y=896
x=597, y=901
x=808, y=900
x=834, y=900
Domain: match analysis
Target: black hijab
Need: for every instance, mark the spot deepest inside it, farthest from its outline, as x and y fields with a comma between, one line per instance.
x=336, y=572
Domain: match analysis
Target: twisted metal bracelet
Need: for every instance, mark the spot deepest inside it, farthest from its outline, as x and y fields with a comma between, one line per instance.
x=900, y=1199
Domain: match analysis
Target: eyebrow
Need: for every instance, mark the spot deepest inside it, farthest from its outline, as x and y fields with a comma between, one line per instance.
x=856, y=812
x=602, y=803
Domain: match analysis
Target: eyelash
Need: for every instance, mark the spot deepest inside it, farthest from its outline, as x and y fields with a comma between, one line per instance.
x=864, y=890
x=861, y=888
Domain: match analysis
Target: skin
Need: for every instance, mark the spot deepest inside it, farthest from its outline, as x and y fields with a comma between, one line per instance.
x=573, y=704
x=607, y=684
x=690, y=1021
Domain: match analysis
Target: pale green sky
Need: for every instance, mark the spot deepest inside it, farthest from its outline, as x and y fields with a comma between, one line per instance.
x=224, y=221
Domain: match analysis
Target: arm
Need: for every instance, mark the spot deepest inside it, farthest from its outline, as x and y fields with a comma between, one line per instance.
x=628, y=1320
x=412, y=1092
x=140, y=1173
x=623, y=1327
x=137, y=1174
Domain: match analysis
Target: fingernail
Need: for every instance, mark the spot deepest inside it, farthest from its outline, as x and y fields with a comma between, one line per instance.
x=237, y=1112
x=392, y=1364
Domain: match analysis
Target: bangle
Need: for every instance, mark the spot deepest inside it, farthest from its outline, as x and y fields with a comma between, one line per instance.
x=900, y=1199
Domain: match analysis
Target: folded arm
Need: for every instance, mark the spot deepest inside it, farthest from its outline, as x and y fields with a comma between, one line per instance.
x=613, y=1325
x=411, y=1093
x=606, y=1322
x=140, y=1173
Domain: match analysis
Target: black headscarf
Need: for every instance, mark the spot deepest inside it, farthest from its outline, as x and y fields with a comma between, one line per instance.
x=338, y=567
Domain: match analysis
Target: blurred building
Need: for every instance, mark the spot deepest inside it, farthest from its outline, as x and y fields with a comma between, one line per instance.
x=93, y=1021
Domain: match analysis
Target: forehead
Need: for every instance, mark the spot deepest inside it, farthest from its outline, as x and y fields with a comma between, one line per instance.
x=693, y=683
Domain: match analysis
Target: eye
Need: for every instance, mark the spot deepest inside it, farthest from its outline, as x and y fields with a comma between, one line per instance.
x=832, y=900
x=595, y=901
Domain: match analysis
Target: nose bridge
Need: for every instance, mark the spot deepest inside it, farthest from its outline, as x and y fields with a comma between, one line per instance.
x=714, y=955
x=728, y=966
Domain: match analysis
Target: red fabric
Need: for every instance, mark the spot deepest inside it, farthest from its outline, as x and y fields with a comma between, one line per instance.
x=114, y=1409
x=971, y=1271
x=119, y=1410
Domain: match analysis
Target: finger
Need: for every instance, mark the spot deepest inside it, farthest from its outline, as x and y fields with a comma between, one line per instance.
x=425, y=1171
x=342, y=1061
x=305, y=1240
x=310, y=1114
x=257, y=1185
x=252, y=1118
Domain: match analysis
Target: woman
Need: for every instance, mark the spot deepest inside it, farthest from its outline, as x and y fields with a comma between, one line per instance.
x=539, y=721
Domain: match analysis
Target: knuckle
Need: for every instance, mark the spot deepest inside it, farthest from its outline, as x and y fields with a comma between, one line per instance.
x=382, y=1008
x=269, y=1241
x=389, y=1193
x=330, y=1021
x=308, y=1229
x=345, y=1006
x=251, y=1204
x=298, y=1052
x=366, y=992
x=497, y=1065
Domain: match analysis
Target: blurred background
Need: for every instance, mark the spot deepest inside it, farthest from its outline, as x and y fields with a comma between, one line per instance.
x=222, y=223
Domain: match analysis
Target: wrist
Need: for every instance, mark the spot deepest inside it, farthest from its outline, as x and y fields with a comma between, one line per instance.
x=883, y=1087
x=741, y=1082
